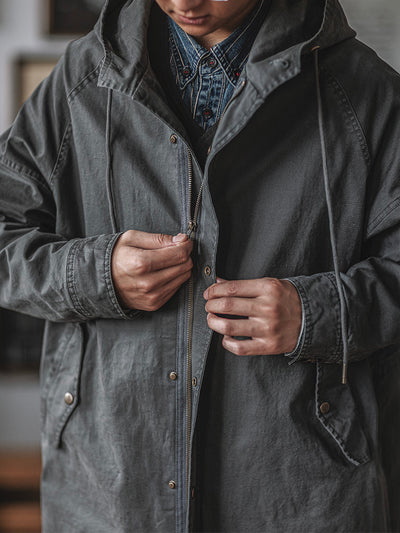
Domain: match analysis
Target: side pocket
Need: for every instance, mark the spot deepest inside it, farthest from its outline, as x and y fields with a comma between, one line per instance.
x=336, y=410
x=60, y=394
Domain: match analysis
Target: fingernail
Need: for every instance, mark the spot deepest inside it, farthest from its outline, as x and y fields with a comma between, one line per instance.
x=206, y=295
x=179, y=238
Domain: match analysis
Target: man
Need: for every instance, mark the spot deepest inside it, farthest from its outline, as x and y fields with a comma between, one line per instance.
x=192, y=167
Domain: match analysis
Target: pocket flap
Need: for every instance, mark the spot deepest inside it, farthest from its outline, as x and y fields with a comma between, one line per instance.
x=63, y=392
x=337, y=412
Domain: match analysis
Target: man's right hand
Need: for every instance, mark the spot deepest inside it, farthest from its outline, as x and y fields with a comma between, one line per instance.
x=148, y=268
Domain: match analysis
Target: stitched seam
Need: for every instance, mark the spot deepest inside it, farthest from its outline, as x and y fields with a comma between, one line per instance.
x=21, y=170
x=374, y=224
x=331, y=429
x=84, y=82
x=108, y=277
x=308, y=329
x=336, y=356
x=61, y=152
x=71, y=279
x=55, y=367
x=344, y=100
x=68, y=409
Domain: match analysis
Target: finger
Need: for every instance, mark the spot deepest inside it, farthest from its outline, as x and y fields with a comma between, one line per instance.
x=240, y=288
x=155, y=280
x=146, y=261
x=151, y=241
x=155, y=301
x=233, y=328
x=245, y=347
x=232, y=306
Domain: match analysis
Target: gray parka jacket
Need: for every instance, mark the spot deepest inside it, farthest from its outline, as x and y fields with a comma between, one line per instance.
x=96, y=151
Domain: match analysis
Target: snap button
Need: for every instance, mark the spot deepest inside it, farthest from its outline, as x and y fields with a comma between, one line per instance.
x=172, y=484
x=324, y=408
x=285, y=63
x=207, y=270
x=173, y=376
x=68, y=398
x=194, y=382
x=173, y=139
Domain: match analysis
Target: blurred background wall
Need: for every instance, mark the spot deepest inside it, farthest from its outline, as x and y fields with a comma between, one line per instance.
x=31, y=40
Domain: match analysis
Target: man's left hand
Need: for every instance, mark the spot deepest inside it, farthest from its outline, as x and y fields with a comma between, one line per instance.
x=270, y=311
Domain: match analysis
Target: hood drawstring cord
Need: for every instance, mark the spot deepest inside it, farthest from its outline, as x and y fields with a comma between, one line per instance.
x=332, y=232
x=110, y=198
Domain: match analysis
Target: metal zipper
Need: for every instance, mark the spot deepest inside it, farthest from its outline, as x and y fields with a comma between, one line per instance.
x=191, y=231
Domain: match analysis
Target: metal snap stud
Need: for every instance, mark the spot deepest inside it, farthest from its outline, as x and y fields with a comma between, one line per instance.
x=68, y=398
x=324, y=408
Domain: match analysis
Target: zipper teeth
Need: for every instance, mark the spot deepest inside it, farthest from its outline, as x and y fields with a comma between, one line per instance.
x=189, y=384
x=191, y=231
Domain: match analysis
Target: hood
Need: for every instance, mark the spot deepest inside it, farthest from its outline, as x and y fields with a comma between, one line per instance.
x=291, y=29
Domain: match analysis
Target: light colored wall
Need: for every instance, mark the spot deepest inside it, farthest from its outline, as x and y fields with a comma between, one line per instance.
x=21, y=32
x=378, y=24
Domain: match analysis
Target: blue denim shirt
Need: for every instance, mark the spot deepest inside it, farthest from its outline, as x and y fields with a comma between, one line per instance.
x=205, y=78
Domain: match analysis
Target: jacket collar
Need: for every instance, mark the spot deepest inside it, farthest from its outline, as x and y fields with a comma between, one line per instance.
x=231, y=54
x=290, y=30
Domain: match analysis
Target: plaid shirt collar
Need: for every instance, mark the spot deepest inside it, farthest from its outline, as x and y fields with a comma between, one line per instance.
x=231, y=54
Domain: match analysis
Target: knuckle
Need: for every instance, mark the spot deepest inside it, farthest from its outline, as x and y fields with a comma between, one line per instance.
x=159, y=239
x=227, y=327
x=145, y=286
x=274, y=287
x=153, y=301
x=226, y=305
x=139, y=265
x=232, y=288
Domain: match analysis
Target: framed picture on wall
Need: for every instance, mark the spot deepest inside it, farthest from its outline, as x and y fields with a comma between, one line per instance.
x=30, y=70
x=72, y=17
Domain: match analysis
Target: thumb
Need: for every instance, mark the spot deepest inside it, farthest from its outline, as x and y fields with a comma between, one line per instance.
x=151, y=241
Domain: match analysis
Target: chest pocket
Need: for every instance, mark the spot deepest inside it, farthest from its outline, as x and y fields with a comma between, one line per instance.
x=60, y=391
x=337, y=412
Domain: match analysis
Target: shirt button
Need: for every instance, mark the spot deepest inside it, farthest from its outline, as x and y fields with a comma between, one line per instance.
x=207, y=270
x=68, y=398
x=173, y=139
x=325, y=408
x=207, y=113
x=194, y=382
x=212, y=62
x=186, y=72
x=173, y=376
x=172, y=485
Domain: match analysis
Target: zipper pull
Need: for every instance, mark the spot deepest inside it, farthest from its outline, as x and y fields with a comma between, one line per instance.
x=191, y=229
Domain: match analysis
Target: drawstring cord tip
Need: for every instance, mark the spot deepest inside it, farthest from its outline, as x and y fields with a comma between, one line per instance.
x=344, y=374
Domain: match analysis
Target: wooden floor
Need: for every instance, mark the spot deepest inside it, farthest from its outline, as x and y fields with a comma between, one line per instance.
x=19, y=492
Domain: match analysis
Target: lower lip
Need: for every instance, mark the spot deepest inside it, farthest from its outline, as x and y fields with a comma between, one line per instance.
x=195, y=21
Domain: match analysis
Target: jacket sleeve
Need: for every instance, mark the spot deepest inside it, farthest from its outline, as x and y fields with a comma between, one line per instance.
x=372, y=286
x=43, y=271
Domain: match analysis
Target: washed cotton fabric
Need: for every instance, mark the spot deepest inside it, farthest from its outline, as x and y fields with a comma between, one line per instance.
x=97, y=151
